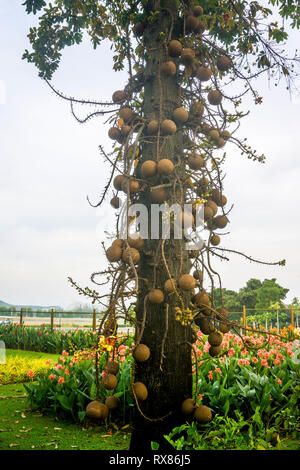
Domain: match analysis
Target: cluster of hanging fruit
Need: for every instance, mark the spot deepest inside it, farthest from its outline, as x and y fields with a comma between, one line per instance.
x=98, y=411
x=195, y=115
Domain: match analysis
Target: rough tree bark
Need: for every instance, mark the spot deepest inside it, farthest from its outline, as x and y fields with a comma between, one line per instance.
x=168, y=378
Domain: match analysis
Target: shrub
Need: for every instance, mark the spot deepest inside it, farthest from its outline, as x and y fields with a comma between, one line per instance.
x=245, y=379
x=20, y=369
x=223, y=433
x=67, y=388
x=43, y=339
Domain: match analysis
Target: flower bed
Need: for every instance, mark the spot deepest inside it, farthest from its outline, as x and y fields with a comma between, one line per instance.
x=262, y=380
x=43, y=339
x=23, y=366
x=261, y=383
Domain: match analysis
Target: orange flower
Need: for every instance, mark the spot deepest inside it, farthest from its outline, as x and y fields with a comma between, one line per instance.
x=61, y=380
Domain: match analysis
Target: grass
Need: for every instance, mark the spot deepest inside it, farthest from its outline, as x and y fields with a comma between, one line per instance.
x=14, y=353
x=23, y=429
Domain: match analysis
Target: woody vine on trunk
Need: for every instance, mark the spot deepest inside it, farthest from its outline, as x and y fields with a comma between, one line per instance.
x=169, y=126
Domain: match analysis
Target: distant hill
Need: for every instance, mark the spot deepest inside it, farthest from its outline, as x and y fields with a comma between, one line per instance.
x=33, y=307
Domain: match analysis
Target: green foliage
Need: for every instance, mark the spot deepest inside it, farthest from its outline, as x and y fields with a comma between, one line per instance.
x=69, y=385
x=255, y=295
x=18, y=363
x=44, y=340
x=237, y=26
x=264, y=379
x=268, y=293
x=23, y=429
x=220, y=434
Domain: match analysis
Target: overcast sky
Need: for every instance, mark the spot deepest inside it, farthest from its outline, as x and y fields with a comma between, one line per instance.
x=50, y=163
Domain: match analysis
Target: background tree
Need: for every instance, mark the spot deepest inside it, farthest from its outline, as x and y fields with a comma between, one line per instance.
x=185, y=60
x=268, y=293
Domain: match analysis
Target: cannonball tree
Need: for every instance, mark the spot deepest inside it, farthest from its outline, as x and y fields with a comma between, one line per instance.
x=189, y=65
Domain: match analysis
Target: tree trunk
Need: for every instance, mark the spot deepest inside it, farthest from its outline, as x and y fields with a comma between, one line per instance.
x=167, y=374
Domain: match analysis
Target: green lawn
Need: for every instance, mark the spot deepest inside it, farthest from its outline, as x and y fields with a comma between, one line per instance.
x=25, y=430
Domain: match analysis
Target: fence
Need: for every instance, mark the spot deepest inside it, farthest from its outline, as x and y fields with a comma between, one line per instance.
x=21, y=314
x=291, y=310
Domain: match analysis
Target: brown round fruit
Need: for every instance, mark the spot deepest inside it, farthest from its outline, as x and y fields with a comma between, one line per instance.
x=202, y=414
x=197, y=109
x=114, y=253
x=118, y=181
x=223, y=201
x=215, y=338
x=215, y=240
x=136, y=241
x=208, y=213
x=127, y=114
x=202, y=299
x=174, y=48
x=152, y=127
x=115, y=202
x=140, y=391
x=213, y=205
x=141, y=353
x=203, y=73
x=191, y=23
x=109, y=381
x=214, y=97
x=168, y=68
x=97, y=410
x=224, y=327
x=125, y=130
x=225, y=135
x=195, y=162
x=220, y=142
x=214, y=351
x=180, y=115
x=118, y=242
x=188, y=406
x=224, y=63
x=186, y=282
x=220, y=221
x=197, y=10
x=214, y=134
x=135, y=256
x=187, y=56
x=205, y=324
x=165, y=167
x=223, y=313
x=170, y=286
x=132, y=185
x=149, y=168
x=168, y=127
x=112, y=402
x=218, y=198
x=119, y=96
x=114, y=133
x=158, y=195
x=156, y=296
x=139, y=29
x=111, y=367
